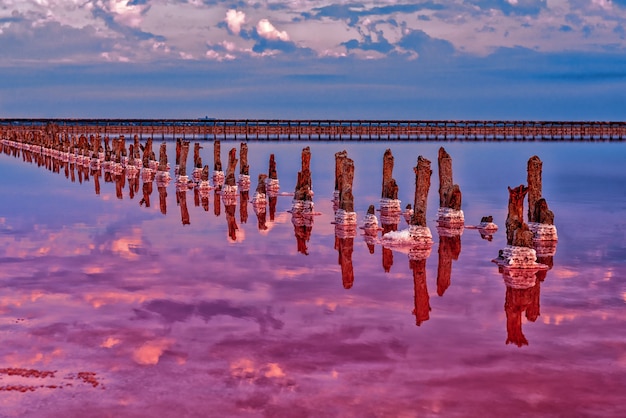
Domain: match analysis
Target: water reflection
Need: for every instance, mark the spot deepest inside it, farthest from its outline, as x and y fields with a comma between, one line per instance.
x=95, y=284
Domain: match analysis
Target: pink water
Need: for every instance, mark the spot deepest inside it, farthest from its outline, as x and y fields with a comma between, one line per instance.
x=139, y=313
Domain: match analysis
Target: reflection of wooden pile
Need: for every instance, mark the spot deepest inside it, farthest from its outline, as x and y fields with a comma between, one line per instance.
x=517, y=302
x=449, y=249
x=421, y=297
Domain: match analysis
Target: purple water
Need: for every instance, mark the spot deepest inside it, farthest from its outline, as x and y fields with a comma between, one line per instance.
x=138, y=314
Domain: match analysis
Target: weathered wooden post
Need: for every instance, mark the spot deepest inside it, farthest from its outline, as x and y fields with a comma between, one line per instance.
x=244, y=168
x=449, y=214
x=197, y=162
x=345, y=214
x=259, y=202
x=182, y=180
x=515, y=217
x=540, y=218
x=418, y=229
x=534, y=171
x=389, y=203
x=345, y=217
x=302, y=205
x=218, y=173
x=339, y=159
x=163, y=173
x=370, y=228
x=230, y=182
x=303, y=194
x=518, y=254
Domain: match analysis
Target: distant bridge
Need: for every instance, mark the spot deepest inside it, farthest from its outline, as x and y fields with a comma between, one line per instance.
x=270, y=129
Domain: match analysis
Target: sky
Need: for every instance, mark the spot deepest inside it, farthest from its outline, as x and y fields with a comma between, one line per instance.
x=453, y=59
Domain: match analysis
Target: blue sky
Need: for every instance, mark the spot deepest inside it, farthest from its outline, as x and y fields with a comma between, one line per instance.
x=454, y=59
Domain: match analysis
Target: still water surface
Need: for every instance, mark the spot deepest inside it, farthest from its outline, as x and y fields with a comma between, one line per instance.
x=137, y=312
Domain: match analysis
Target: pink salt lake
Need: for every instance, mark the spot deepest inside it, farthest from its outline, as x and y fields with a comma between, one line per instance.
x=109, y=307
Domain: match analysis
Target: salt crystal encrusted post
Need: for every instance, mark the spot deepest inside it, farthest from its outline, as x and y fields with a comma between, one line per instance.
x=163, y=173
x=418, y=229
x=259, y=202
x=196, y=174
x=345, y=214
x=339, y=158
x=303, y=195
x=389, y=203
x=449, y=214
x=345, y=217
x=540, y=217
x=244, y=168
x=302, y=204
x=229, y=192
x=182, y=180
x=218, y=173
x=519, y=252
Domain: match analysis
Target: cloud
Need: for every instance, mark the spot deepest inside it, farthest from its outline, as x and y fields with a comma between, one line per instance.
x=51, y=41
x=125, y=12
x=426, y=46
x=512, y=7
x=235, y=19
x=267, y=31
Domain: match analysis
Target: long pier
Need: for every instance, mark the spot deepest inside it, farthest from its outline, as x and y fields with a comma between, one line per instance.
x=269, y=129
